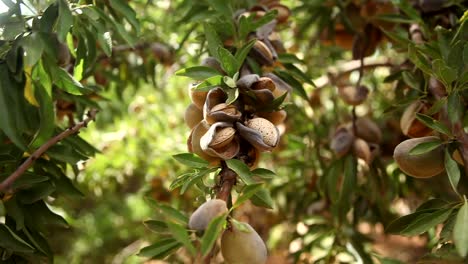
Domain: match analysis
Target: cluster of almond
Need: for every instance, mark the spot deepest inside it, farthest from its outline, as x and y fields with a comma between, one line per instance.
x=223, y=128
x=362, y=136
x=240, y=243
x=429, y=163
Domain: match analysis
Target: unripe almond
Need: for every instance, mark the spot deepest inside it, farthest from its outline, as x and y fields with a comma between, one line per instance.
x=268, y=131
x=200, y=219
x=243, y=247
x=423, y=165
x=193, y=116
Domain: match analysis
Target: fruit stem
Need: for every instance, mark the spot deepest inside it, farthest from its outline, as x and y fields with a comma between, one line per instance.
x=227, y=179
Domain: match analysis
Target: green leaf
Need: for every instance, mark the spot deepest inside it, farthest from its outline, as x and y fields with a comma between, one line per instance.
x=28, y=179
x=262, y=198
x=46, y=115
x=263, y=173
x=348, y=185
x=228, y=61
x=242, y=170
x=460, y=230
x=212, y=233
x=33, y=48
x=213, y=40
x=432, y=123
x=210, y=83
x=408, y=9
x=156, y=226
x=242, y=53
x=418, y=59
x=454, y=107
x=15, y=211
x=289, y=58
x=453, y=172
x=295, y=84
x=42, y=217
x=12, y=108
x=233, y=94
x=197, y=72
x=425, y=147
x=400, y=39
x=160, y=249
x=122, y=7
x=194, y=178
x=67, y=83
x=11, y=241
x=222, y=7
x=105, y=40
x=443, y=72
x=181, y=235
x=230, y=82
x=426, y=221
x=37, y=192
x=191, y=160
x=168, y=212
x=65, y=20
x=394, y=18
x=247, y=192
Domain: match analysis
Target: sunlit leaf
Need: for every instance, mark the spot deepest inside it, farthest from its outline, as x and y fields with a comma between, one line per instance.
x=212, y=233
x=198, y=72
x=460, y=230
x=191, y=160
x=452, y=170
x=242, y=170
x=425, y=147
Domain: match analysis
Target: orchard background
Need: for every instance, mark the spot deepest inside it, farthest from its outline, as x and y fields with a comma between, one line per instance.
x=94, y=163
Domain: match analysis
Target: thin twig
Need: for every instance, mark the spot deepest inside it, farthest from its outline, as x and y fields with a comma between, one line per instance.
x=6, y=184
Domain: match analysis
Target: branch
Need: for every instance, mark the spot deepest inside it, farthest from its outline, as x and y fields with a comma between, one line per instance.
x=227, y=181
x=347, y=68
x=6, y=184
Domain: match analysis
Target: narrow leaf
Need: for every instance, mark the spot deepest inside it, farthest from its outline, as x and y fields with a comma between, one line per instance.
x=210, y=83
x=198, y=72
x=262, y=198
x=213, y=40
x=453, y=172
x=242, y=170
x=460, y=231
x=228, y=61
x=160, y=249
x=425, y=147
x=426, y=221
x=191, y=160
x=432, y=123
x=263, y=173
x=212, y=233
x=242, y=53
x=156, y=226
x=181, y=235
x=247, y=192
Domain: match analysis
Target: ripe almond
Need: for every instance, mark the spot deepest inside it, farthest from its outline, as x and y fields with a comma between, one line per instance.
x=423, y=165
x=243, y=246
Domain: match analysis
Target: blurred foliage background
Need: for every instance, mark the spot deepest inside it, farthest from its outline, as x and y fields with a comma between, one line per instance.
x=140, y=126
